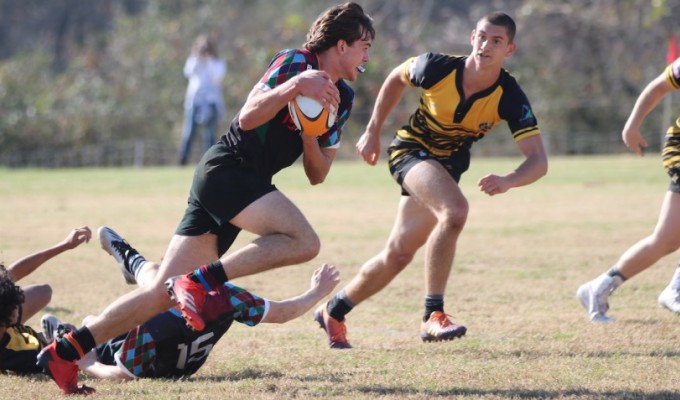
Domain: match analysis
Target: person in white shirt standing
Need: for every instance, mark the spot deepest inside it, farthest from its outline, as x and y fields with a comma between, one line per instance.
x=203, y=103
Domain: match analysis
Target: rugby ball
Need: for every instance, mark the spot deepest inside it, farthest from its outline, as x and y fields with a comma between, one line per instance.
x=309, y=116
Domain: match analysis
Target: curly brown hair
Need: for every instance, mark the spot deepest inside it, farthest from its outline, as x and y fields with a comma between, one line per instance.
x=346, y=22
x=11, y=297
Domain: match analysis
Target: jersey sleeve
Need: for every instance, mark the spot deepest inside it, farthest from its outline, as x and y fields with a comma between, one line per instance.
x=426, y=69
x=673, y=74
x=516, y=110
x=285, y=65
x=249, y=309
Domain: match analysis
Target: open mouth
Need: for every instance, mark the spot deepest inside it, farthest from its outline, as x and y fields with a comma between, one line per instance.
x=361, y=69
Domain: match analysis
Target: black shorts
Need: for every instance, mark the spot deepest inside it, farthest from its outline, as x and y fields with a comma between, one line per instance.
x=222, y=187
x=404, y=155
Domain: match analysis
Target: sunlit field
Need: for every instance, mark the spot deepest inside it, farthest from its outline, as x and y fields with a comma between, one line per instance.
x=520, y=259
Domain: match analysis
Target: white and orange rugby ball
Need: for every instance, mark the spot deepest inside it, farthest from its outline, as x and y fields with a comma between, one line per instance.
x=310, y=116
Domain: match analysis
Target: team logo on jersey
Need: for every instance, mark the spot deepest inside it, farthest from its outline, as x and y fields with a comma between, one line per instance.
x=527, y=116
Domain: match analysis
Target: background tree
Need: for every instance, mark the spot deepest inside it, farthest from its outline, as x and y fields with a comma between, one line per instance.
x=83, y=83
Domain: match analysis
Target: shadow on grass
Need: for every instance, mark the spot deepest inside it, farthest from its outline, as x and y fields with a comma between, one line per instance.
x=56, y=310
x=519, y=393
x=245, y=374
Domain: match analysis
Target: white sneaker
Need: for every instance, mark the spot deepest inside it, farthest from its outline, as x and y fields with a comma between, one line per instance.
x=50, y=326
x=594, y=296
x=116, y=246
x=670, y=299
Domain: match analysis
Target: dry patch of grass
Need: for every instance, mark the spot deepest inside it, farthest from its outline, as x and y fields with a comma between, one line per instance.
x=520, y=260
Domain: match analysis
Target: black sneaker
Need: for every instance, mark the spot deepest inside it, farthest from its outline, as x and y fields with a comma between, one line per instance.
x=115, y=245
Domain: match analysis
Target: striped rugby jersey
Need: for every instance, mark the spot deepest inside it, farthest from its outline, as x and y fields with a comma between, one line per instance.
x=445, y=121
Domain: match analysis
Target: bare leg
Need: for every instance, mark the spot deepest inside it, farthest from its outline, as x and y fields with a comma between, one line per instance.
x=410, y=231
x=664, y=240
x=36, y=297
x=286, y=238
x=183, y=254
x=431, y=184
x=436, y=209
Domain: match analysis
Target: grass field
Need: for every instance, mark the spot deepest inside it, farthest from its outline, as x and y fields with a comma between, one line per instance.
x=520, y=260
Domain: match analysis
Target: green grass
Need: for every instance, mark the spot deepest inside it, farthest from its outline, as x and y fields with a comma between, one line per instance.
x=520, y=260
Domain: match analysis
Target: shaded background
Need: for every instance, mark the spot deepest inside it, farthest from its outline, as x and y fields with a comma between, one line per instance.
x=94, y=83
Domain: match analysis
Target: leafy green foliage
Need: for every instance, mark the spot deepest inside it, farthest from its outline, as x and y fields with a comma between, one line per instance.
x=75, y=75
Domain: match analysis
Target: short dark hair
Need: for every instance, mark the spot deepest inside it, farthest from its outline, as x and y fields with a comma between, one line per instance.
x=11, y=297
x=346, y=22
x=502, y=19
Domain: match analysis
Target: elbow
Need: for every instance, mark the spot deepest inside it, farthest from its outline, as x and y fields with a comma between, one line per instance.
x=316, y=180
x=540, y=170
x=544, y=168
x=245, y=121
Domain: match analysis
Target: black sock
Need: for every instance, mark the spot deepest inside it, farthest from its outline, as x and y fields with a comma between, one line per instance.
x=433, y=302
x=614, y=271
x=76, y=344
x=211, y=275
x=339, y=306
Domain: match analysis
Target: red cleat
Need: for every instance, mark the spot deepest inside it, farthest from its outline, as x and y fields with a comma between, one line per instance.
x=336, y=330
x=64, y=373
x=190, y=297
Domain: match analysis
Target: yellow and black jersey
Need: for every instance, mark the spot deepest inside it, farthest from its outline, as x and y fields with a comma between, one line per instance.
x=445, y=121
x=19, y=348
x=671, y=149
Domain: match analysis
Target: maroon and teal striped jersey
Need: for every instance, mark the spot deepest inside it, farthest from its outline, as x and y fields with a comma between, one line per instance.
x=164, y=347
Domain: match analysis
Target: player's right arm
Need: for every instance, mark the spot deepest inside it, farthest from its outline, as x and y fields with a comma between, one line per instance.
x=650, y=97
x=389, y=96
x=91, y=366
x=324, y=279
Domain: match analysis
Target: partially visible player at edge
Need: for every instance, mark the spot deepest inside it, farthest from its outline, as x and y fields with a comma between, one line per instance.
x=19, y=343
x=164, y=346
x=665, y=239
x=232, y=189
x=462, y=98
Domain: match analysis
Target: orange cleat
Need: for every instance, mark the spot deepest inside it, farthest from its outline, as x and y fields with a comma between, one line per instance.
x=336, y=330
x=439, y=327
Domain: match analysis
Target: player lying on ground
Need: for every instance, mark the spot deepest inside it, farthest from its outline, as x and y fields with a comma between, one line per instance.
x=164, y=346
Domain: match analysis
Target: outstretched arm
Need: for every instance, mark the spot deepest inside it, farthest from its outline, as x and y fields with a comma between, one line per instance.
x=25, y=266
x=324, y=279
x=91, y=366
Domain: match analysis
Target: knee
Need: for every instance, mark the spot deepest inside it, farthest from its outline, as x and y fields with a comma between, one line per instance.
x=310, y=246
x=666, y=244
x=45, y=293
x=453, y=218
x=397, y=258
